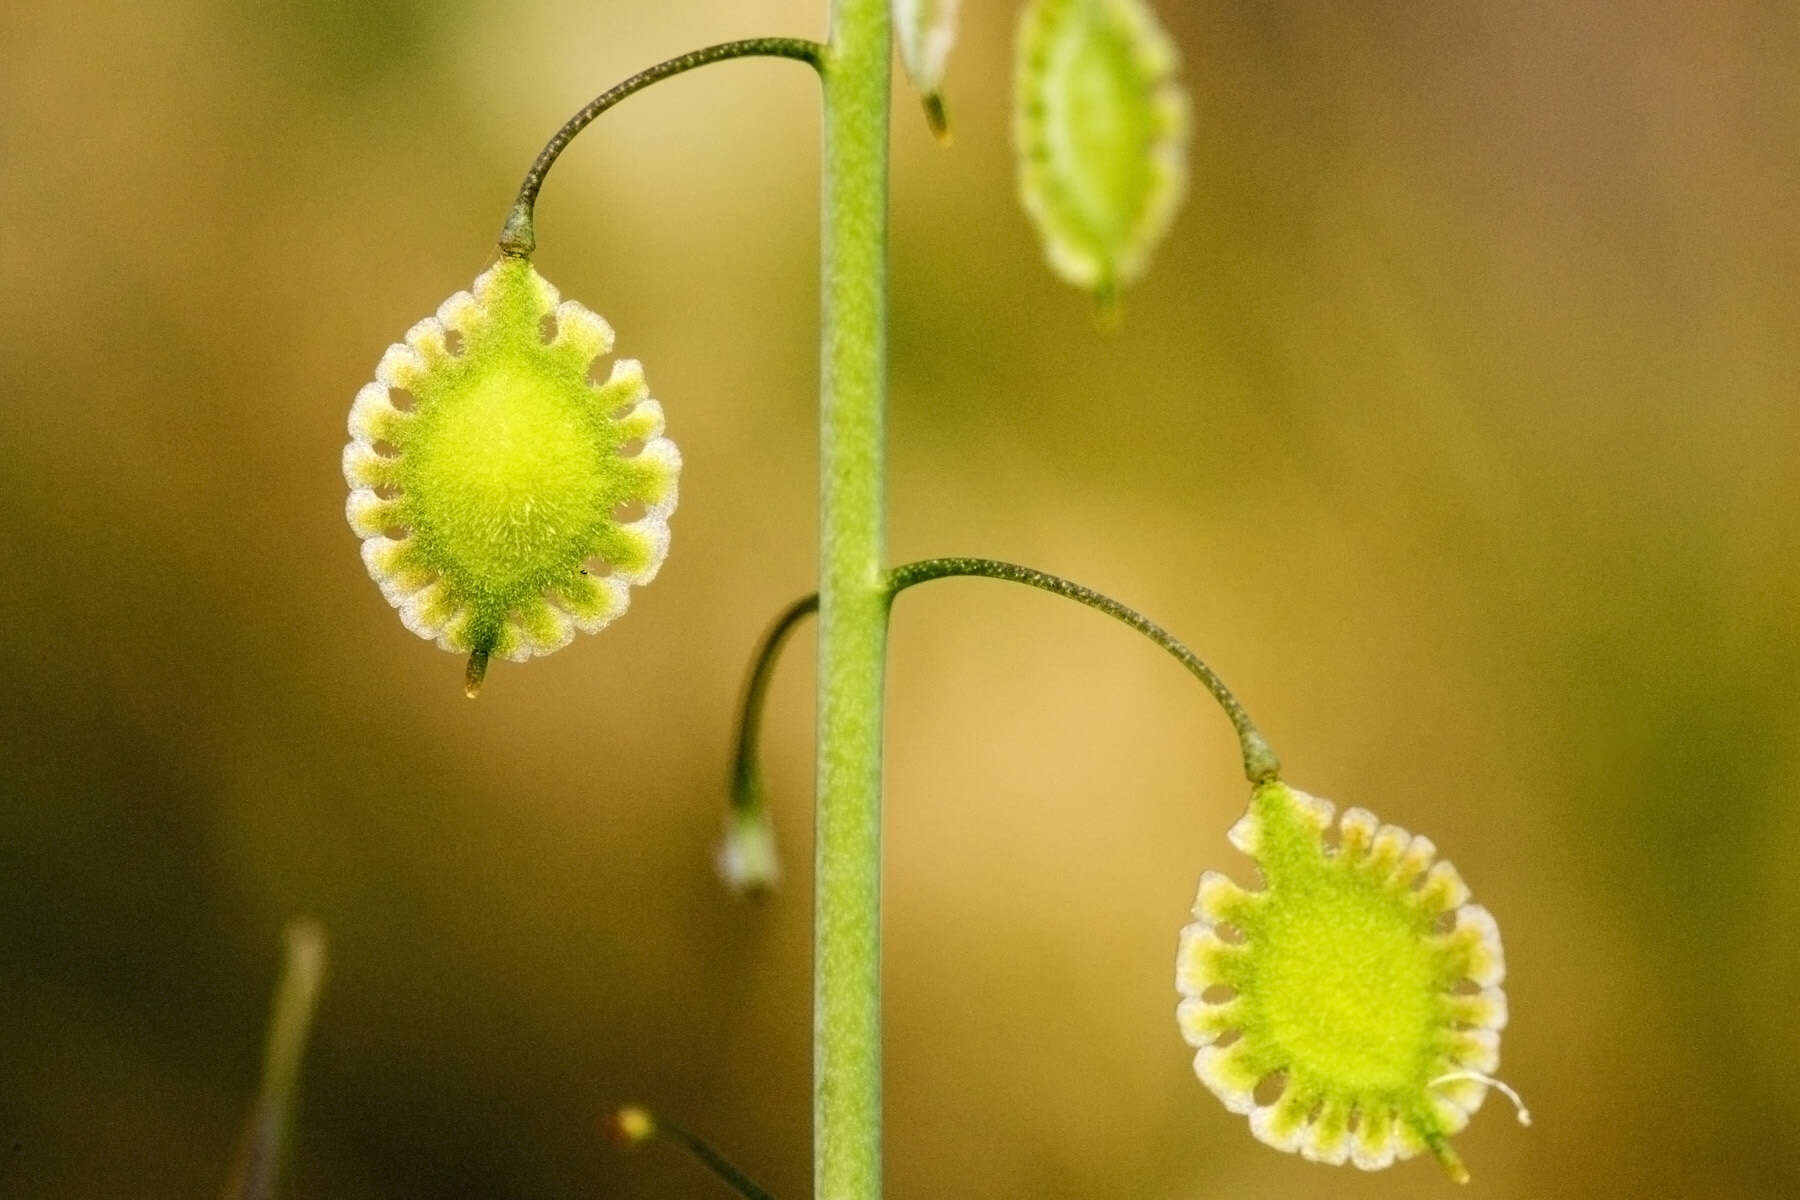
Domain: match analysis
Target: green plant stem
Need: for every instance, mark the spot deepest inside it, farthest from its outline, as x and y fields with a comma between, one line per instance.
x=852, y=607
x=518, y=238
x=256, y=1173
x=702, y=1152
x=746, y=775
x=1260, y=763
x=747, y=861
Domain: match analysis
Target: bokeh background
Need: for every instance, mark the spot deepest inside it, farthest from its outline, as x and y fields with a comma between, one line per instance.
x=1456, y=422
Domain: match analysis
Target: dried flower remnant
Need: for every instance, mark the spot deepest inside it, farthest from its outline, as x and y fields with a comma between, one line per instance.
x=507, y=501
x=1359, y=979
x=925, y=31
x=746, y=858
x=1100, y=126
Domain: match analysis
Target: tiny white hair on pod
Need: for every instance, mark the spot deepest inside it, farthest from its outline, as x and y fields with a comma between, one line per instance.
x=1490, y=1081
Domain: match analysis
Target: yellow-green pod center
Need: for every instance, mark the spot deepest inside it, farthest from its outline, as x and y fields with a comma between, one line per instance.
x=506, y=499
x=1358, y=990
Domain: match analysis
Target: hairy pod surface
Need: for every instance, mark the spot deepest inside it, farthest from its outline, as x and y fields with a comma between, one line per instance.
x=505, y=499
x=1359, y=986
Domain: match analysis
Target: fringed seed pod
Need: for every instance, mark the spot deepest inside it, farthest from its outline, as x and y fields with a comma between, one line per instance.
x=504, y=499
x=1359, y=979
x=1100, y=126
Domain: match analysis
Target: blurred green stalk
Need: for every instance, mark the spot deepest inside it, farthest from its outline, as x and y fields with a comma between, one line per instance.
x=853, y=606
x=256, y=1175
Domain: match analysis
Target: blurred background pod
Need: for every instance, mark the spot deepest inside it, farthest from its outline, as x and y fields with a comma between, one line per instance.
x=1100, y=129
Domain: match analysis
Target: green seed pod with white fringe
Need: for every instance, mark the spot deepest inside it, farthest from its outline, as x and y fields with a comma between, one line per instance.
x=1100, y=126
x=504, y=499
x=1359, y=979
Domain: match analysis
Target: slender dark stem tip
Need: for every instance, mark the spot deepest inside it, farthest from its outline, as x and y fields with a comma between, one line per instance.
x=938, y=117
x=517, y=237
x=475, y=674
x=1109, y=315
x=633, y=1125
x=1260, y=764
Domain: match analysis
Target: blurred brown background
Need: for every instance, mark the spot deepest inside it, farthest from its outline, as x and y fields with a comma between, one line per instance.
x=1456, y=423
